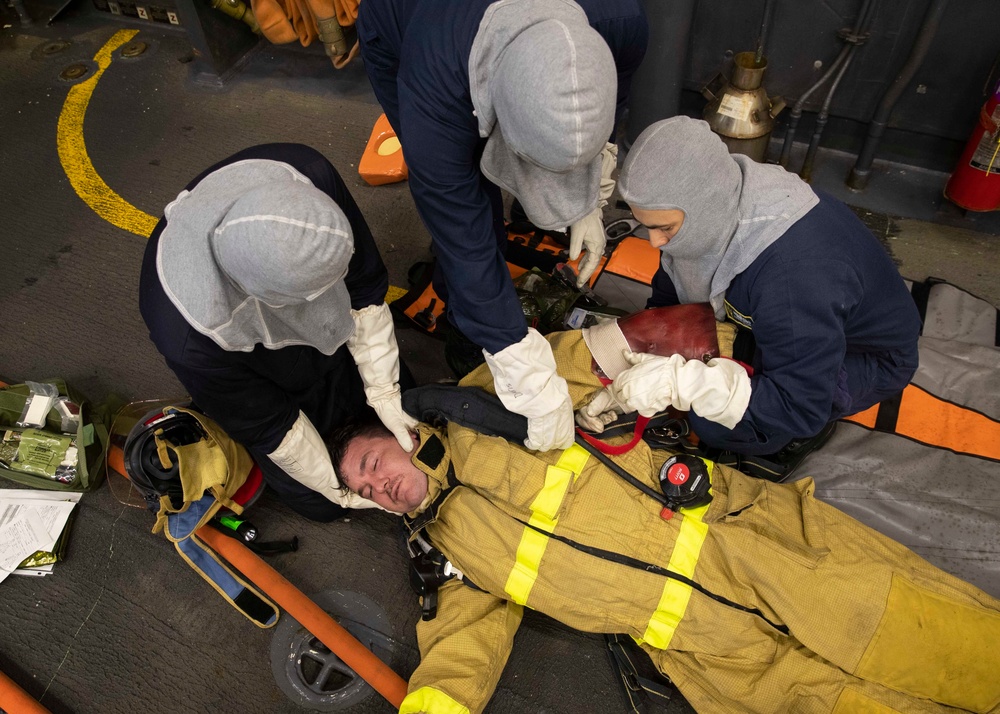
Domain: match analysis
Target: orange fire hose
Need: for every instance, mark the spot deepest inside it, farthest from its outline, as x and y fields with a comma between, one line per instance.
x=354, y=654
x=116, y=460
x=15, y=700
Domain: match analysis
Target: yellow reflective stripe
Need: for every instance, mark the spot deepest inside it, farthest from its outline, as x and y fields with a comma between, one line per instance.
x=574, y=458
x=544, y=508
x=683, y=560
x=546, y=504
x=675, y=596
x=431, y=701
x=529, y=555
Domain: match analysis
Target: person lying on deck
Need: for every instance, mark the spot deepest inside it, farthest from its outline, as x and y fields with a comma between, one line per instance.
x=763, y=599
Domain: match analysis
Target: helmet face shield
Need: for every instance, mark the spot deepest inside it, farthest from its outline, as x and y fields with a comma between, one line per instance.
x=150, y=460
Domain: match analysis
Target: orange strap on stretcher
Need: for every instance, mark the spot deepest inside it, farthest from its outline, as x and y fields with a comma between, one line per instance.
x=918, y=415
x=427, y=307
x=633, y=258
x=15, y=700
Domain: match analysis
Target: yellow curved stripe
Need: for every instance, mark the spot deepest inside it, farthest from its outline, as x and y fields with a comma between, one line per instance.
x=80, y=171
x=82, y=175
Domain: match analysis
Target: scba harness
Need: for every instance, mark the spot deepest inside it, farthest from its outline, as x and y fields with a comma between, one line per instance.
x=685, y=479
x=429, y=567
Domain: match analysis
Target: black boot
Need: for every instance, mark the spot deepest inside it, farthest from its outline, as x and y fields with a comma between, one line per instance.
x=780, y=466
x=462, y=354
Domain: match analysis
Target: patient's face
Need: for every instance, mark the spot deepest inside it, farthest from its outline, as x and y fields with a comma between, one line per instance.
x=377, y=468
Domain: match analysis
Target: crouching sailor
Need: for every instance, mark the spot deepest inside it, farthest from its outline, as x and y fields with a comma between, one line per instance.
x=263, y=289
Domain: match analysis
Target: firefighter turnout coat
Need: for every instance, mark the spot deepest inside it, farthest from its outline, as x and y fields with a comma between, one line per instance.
x=766, y=600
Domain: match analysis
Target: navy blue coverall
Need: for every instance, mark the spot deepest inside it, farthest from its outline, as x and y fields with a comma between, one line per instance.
x=416, y=53
x=256, y=396
x=835, y=329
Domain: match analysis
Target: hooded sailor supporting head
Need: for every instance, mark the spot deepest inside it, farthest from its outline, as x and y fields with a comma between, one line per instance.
x=255, y=254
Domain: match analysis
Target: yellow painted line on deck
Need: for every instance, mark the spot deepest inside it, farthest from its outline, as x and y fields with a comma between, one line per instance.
x=80, y=171
x=394, y=293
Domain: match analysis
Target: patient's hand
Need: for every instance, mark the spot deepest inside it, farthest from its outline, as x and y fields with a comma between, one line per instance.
x=603, y=409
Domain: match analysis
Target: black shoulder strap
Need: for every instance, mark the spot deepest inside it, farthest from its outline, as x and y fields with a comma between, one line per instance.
x=437, y=404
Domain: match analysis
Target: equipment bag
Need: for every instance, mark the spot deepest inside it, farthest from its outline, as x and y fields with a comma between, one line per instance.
x=187, y=469
x=70, y=423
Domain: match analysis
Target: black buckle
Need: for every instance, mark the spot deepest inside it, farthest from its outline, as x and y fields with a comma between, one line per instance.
x=427, y=575
x=668, y=434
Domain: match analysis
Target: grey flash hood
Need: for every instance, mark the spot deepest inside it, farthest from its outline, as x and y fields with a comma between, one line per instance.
x=543, y=84
x=734, y=208
x=255, y=254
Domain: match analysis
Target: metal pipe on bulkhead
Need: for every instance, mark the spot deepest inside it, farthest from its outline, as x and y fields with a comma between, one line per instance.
x=861, y=173
x=765, y=27
x=796, y=114
x=857, y=37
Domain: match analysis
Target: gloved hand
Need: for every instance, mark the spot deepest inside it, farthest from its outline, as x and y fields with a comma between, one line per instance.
x=525, y=378
x=373, y=346
x=589, y=231
x=718, y=391
x=303, y=456
x=609, y=162
x=601, y=411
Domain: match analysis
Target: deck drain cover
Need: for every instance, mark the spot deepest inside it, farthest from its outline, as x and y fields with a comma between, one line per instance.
x=134, y=49
x=313, y=677
x=54, y=48
x=50, y=48
x=74, y=72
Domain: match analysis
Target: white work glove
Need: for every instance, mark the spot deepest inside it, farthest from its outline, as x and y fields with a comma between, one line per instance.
x=589, y=231
x=303, y=456
x=602, y=410
x=525, y=378
x=718, y=391
x=373, y=346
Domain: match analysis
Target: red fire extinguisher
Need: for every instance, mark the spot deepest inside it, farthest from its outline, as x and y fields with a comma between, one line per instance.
x=975, y=183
